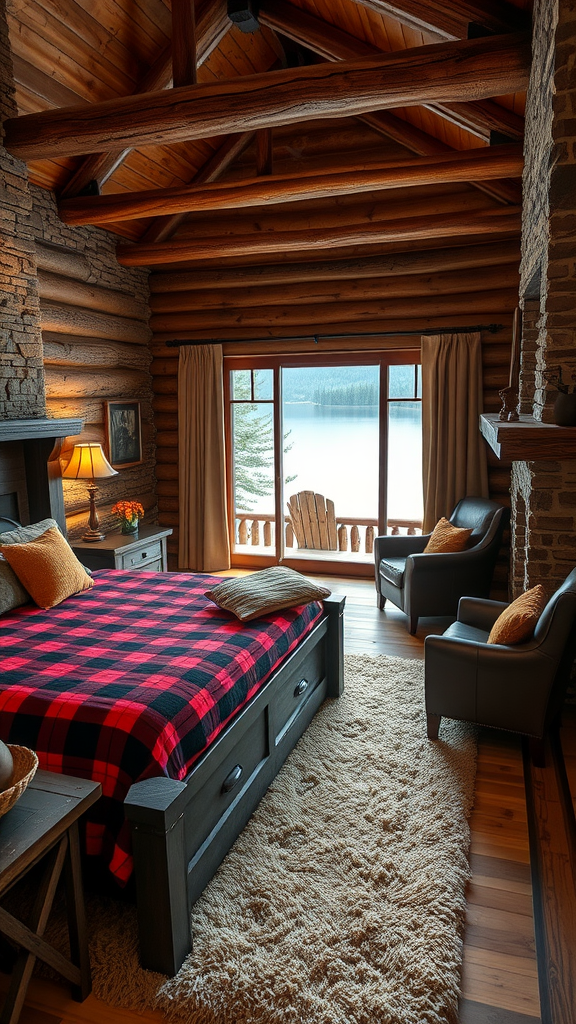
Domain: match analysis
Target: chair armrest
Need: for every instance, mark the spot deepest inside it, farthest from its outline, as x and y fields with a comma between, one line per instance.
x=398, y=547
x=437, y=561
x=479, y=612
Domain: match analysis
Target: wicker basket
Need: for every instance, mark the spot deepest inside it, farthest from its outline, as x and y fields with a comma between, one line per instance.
x=25, y=765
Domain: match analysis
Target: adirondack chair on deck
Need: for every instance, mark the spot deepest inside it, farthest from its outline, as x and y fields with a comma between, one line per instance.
x=313, y=521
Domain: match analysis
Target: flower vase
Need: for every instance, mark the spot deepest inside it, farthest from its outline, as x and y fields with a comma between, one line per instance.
x=130, y=527
x=565, y=409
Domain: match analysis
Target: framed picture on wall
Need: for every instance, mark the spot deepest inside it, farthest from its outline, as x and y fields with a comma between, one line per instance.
x=123, y=434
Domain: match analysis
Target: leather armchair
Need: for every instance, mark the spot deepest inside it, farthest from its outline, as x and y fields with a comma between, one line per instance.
x=519, y=688
x=432, y=584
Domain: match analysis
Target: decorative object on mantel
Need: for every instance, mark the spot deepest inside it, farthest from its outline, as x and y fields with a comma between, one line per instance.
x=129, y=513
x=88, y=462
x=565, y=404
x=511, y=394
x=124, y=433
x=25, y=763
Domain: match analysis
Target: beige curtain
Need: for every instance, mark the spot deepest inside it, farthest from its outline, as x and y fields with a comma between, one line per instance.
x=453, y=453
x=203, y=545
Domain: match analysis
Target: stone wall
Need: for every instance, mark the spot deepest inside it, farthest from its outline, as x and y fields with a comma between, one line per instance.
x=21, y=370
x=544, y=493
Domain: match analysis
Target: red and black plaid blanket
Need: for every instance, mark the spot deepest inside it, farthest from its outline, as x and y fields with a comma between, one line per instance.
x=132, y=679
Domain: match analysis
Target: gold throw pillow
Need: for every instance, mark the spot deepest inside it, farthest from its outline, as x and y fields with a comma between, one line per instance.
x=518, y=621
x=445, y=537
x=48, y=568
x=269, y=590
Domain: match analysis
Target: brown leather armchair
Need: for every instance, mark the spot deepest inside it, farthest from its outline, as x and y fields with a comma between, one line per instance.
x=519, y=688
x=432, y=584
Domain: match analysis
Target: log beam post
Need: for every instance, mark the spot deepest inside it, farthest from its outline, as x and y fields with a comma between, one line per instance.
x=183, y=43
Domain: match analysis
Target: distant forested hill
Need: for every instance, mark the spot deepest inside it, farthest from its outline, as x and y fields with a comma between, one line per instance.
x=315, y=383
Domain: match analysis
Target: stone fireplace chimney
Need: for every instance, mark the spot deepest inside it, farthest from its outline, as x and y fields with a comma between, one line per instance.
x=21, y=367
x=544, y=492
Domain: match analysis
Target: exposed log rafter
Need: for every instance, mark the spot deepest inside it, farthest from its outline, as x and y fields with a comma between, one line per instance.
x=269, y=190
x=448, y=72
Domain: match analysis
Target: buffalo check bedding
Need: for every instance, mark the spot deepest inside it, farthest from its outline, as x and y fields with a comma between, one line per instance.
x=133, y=679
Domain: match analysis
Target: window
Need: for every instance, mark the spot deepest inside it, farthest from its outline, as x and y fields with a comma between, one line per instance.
x=348, y=429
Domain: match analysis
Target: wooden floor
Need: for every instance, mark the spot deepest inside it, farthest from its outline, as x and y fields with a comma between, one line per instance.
x=499, y=984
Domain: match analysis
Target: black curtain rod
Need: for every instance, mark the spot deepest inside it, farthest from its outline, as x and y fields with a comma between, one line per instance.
x=492, y=328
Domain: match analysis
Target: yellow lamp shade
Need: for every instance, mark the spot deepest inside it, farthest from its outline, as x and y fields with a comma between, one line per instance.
x=88, y=462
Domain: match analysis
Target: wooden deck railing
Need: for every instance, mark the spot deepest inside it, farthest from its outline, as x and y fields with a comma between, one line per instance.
x=257, y=530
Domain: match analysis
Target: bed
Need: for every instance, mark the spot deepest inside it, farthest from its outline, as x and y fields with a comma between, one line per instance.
x=182, y=713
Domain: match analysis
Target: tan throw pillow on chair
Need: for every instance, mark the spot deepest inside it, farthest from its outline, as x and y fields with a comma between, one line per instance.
x=445, y=537
x=518, y=621
x=48, y=568
x=270, y=590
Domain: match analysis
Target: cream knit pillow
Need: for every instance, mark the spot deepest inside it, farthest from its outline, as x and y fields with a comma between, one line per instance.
x=270, y=590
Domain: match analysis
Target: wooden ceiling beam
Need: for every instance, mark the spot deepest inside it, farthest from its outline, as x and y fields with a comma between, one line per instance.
x=334, y=44
x=211, y=27
x=450, y=18
x=447, y=72
x=163, y=227
x=476, y=164
x=474, y=222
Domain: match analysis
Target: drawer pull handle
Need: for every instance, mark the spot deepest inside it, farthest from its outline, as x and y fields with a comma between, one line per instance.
x=301, y=688
x=144, y=554
x=232, y=779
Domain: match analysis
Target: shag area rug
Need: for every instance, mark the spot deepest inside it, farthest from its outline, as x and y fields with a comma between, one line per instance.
x=343, y=900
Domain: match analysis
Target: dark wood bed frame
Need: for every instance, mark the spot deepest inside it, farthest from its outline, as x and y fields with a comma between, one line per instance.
x=181, y=831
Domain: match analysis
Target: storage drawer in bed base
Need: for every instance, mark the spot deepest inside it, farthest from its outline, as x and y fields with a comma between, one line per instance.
x=181, y=831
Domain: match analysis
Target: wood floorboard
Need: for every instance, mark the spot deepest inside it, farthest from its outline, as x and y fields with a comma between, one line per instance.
x=472, y=1012
x=499, y=981
x=553, y=846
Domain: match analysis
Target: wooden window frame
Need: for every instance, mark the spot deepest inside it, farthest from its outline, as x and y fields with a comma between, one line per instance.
x=383, y=358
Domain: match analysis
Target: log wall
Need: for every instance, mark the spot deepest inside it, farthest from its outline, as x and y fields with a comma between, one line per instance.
x=96, y=346
x=435, y=288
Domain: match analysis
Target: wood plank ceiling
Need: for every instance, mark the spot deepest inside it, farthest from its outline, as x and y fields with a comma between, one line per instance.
x=77, y=53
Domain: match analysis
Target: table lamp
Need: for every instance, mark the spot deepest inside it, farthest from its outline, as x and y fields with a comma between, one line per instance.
x=88, y=462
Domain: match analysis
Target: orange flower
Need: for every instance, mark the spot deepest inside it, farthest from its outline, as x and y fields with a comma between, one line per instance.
x=128, y=510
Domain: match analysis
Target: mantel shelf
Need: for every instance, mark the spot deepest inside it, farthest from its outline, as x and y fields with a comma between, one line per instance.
x=33, y=429
x=528, y=440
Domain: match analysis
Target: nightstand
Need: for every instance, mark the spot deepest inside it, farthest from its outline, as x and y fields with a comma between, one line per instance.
x=146, y=550
x=43, y=826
